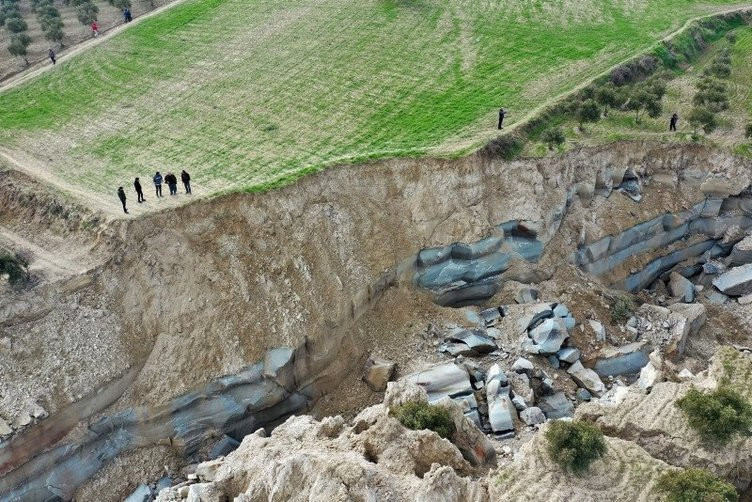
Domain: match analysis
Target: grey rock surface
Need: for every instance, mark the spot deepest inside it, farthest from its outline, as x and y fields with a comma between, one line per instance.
x=735, y=282
x=556, y=405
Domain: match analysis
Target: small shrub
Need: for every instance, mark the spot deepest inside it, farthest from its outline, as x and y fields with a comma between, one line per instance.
x=553, y=137
x=695, y=485
x=622, y=309
x=702, y=118
x=588, y=111
x=574, y=445
x=717, y=416
x=15, y=266
x=420, y=416
x=748, y=130
x=731, y=37
x=507, y=146
x=720, y=69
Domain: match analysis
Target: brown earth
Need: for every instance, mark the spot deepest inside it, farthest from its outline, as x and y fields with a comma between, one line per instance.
x=196, y=292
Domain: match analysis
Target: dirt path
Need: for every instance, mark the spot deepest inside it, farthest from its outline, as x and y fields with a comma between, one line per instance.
x=30, y=167
x=39, y=68
x=49, y=262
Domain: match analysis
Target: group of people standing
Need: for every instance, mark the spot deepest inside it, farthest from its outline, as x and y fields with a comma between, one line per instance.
x=170, y=179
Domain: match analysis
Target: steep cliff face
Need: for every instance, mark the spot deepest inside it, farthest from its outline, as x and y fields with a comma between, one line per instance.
x=185, y=296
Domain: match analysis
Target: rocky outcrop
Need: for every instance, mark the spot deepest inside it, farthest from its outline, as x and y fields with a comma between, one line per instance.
x=371, y=457
x=626, y=473
x=653, y=421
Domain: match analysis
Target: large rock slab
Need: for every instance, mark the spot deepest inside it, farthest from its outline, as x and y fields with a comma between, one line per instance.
x=502, y=413
x=735, y=282
x=476, y=340
x=547, y=337
x=741, y=254
x=680, y=287
x=556, y=405
x=624, y=360
x=442, y=380
x=587, y=378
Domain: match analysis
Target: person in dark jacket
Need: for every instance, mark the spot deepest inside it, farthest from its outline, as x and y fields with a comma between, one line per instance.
x=52, y=56
x=672, y=122
x=502, y=114
x=158, y=183
x=139, y=190
x=127, y=15
x=172, y=183
x=121, y=196
x=186, y=179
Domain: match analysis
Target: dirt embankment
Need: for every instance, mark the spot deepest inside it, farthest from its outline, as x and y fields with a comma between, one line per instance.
x=203, y=290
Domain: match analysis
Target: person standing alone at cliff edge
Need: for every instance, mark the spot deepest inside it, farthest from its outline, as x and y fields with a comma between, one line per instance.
x=672, y=122
x=502, y=114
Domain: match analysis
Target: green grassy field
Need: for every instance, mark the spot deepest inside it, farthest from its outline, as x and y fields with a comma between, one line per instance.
x=249, y=94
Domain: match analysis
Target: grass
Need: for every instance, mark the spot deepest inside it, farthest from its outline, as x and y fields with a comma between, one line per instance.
x=249, y=95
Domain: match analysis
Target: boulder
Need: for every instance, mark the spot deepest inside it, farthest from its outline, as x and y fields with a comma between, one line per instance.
x=520, y=384
x=556, y=406
x=475, y=447
x=736, y=282
x=598, y=329
x=680, y=287
x=745, y=300
x=162, y=483
x=475, y=339
x=378, y=372
x=527, y=295
x=522, y=365
x=625, y=360
x=695, y=314
x=223, y=447
x=533, y=416
x=529, y=315
x=561, y=310
x=141, y=494
x=442, y=380
x=490, y=316
x=717, y=298
x=548, y=336
x=649, y=376
x=742, y=252
x=587, y=378
x=568, y=354
x=583, y=395
x=501, y=413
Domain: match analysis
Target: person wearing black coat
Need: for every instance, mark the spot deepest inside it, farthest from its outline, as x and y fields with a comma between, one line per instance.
x=172, y=183
x=502, y=114
x=186, y=179
x=139, y=190
x=121, y=196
